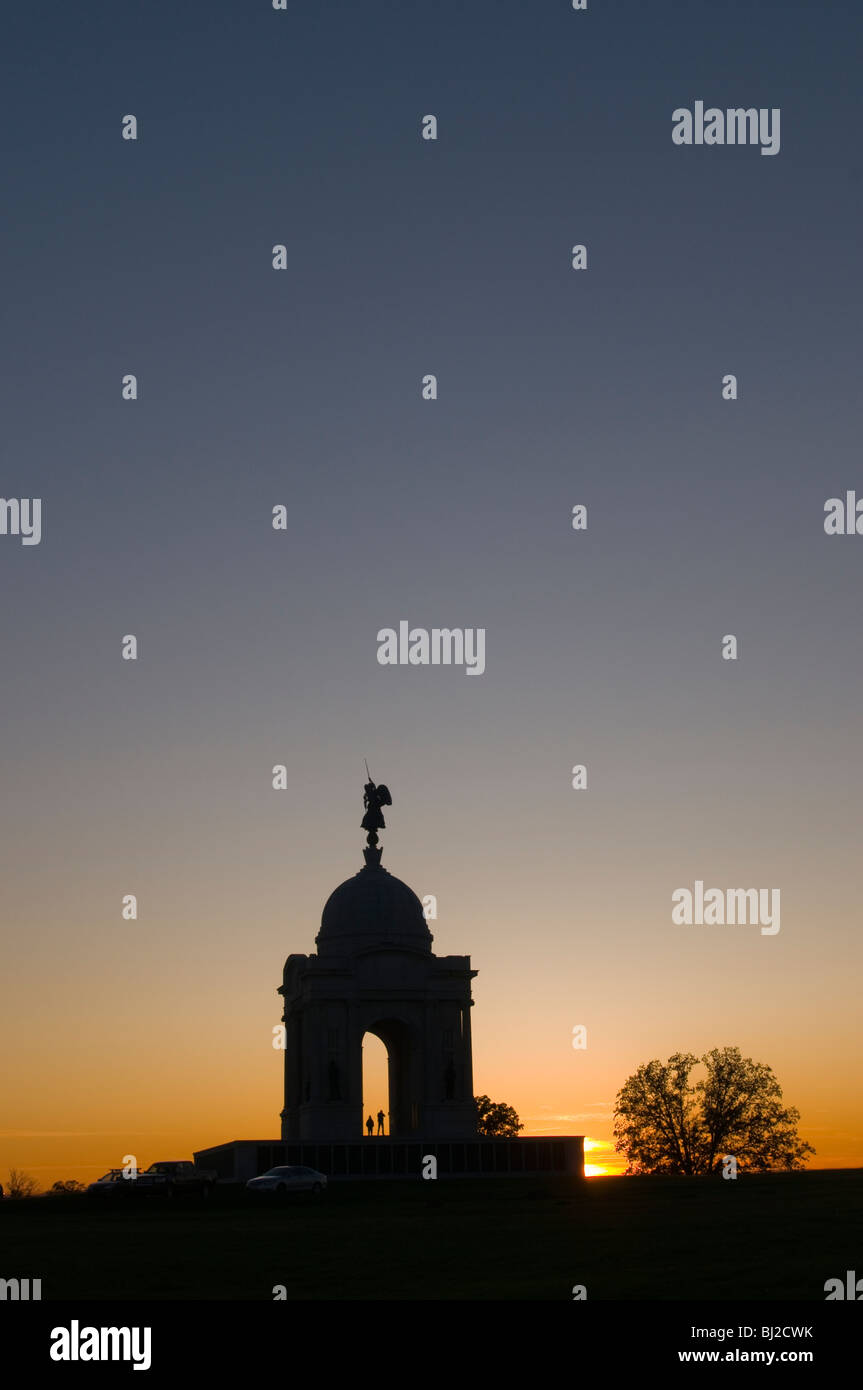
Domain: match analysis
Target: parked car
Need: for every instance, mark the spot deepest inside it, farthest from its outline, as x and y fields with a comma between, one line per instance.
x=176, y=1176
x=289, y=1179
x=116, y=1182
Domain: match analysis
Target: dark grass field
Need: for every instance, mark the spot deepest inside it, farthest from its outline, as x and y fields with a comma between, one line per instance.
x=772, y=1237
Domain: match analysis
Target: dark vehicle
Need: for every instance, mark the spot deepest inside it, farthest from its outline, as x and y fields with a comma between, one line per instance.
x=115, y=1183
x=174, y=1177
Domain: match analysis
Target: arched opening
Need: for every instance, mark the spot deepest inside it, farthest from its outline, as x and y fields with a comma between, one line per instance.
x=376, y=1083
x=394, y=1083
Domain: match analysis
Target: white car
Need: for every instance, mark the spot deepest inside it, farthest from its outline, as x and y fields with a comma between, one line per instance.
x=289, y=1179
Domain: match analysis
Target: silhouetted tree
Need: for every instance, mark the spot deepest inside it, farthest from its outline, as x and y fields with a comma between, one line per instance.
x=496, y=1120
x=665, y=1124
x=21, y=1184
x=67, y=1185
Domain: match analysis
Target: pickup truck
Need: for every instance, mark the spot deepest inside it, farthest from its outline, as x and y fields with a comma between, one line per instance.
x=174, y=1177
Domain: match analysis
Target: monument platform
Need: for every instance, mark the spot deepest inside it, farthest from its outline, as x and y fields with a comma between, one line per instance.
x=382, y=1157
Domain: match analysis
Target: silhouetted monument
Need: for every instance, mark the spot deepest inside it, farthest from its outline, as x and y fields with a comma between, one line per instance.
x=375, y=972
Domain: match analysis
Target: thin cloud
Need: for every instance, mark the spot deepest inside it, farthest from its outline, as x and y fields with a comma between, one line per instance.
x=81, y=1133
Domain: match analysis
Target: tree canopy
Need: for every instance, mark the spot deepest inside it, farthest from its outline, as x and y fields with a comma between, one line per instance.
x=663, y=1123
x=496, y=1120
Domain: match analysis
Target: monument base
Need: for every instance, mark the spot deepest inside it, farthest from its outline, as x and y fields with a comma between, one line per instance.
x=242, y=1159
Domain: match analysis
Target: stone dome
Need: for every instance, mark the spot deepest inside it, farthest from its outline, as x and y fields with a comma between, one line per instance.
x=372, y=908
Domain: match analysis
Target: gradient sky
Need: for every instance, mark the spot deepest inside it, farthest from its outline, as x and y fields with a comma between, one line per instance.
x=257, y=647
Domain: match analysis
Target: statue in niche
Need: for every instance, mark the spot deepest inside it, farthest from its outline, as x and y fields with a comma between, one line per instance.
x=335, y=1080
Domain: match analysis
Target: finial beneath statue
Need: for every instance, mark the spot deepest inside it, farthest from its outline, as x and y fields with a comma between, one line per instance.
x=373, y=799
